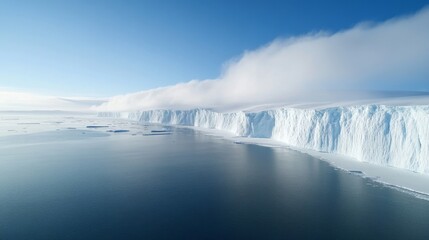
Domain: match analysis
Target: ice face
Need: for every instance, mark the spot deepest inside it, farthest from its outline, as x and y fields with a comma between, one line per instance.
x=395, y=136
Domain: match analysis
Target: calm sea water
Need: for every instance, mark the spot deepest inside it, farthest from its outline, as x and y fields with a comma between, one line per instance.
x=189, y=186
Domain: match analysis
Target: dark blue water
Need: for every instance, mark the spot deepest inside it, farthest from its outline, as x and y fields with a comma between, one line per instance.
x=191, y=186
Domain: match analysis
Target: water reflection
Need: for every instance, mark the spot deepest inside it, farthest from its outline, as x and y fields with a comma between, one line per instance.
x=189, y=185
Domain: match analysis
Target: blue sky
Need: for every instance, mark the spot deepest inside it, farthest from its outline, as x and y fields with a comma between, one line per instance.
x=104, y=48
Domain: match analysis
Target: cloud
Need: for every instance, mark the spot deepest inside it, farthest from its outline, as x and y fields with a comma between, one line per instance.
x=297, y=69
x=390, y=53
x=23, y=101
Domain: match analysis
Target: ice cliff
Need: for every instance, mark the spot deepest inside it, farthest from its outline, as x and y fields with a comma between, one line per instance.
x=396, y=136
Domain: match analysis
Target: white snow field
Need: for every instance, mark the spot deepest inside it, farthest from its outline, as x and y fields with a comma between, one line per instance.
x=385, y=142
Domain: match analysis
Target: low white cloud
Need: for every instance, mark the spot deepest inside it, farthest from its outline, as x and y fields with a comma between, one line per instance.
x=392, y=52
x=24, y=101
x=298, y=69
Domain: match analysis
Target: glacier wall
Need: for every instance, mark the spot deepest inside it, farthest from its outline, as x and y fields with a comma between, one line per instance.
x=396, y=136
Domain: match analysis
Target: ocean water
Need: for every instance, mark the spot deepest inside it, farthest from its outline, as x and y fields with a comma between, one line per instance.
x=89, y=184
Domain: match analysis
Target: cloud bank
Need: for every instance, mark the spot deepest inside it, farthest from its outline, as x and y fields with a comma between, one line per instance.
x=298, y=68
x=22, y=101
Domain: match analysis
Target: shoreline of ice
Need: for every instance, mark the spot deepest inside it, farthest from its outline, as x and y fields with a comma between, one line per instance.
x=396, y=136
x=403, y=180
x=407, y=181
x=387, y=143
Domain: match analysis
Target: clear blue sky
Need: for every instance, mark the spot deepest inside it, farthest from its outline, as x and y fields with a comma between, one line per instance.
x=104, y=48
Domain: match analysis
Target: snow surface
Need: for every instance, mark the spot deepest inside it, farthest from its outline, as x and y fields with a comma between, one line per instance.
x=396, y=136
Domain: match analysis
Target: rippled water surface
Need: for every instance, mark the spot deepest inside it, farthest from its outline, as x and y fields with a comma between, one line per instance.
x=186, y=185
